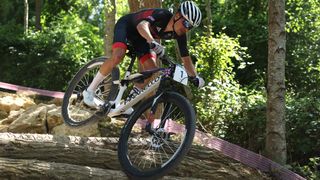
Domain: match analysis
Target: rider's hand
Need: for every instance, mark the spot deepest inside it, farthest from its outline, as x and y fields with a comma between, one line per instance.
x=197, y=81
x=157, y=48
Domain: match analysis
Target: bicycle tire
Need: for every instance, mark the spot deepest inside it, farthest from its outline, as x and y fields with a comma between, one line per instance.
x=128, y=163
x=73, y=98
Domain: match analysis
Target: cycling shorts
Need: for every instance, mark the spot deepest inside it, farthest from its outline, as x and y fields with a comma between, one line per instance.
x=125, y=32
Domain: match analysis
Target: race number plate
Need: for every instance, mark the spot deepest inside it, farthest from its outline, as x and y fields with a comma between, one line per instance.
x=180, y=75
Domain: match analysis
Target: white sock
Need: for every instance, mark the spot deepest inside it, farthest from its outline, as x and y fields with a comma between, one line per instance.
x=96, y=81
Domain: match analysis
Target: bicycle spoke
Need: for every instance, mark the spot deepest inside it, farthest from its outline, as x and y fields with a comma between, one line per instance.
x=75, y=112
x=169, y=114
x=157, y=149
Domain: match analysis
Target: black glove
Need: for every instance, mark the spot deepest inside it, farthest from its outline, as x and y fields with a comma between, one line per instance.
x=197, y=81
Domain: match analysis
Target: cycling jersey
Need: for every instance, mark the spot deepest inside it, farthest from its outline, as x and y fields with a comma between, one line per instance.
x=126, y=30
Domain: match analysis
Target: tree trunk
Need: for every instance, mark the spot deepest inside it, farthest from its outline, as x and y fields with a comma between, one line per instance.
x=136, y=5
x=102, y=153
x=110, y=14
x=208, y=18
x=275, y=127
x=26, y=16
x=38, y=5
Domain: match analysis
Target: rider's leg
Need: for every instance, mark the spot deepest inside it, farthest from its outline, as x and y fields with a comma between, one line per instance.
x=106, y=68
x=118, y=52
x=147, y=62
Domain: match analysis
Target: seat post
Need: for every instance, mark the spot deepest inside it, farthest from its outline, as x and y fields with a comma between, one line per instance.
x=132, y=54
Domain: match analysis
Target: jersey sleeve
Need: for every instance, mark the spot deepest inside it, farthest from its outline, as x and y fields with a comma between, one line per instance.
x=153, y=16
x=182, y=43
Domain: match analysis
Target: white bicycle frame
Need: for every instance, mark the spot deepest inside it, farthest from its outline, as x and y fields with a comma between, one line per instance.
x=120, y=106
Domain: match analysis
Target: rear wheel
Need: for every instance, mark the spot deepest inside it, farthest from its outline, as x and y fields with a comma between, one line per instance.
x=74, y=111
x=151, y=154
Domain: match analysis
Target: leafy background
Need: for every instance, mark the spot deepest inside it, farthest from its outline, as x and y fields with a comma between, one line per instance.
x=232, y=59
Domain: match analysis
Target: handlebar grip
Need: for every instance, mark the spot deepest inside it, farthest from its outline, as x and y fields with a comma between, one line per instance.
x=152, y=45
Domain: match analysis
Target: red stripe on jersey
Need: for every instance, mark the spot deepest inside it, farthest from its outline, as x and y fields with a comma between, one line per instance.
x=144, y=14
x=119, y=45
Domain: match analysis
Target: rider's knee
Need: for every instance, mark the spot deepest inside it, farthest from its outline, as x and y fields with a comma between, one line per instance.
x=148, y=61
x=117, y=57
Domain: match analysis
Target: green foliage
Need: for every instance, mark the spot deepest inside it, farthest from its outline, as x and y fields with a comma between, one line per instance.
x=248, y=21
x=11, y=11
x=303, y=45
x=303, y=127
x=89, y=11
x=247, y=127
x=224, y=110
x=122, y=8
x=48, y=59
x=311, y=170
x=215, y=56
x=72, y=34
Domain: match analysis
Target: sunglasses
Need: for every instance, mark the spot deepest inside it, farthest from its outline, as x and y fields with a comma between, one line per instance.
x=187, y=24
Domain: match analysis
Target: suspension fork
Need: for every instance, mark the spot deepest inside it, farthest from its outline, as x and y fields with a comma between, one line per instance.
x=153, y=110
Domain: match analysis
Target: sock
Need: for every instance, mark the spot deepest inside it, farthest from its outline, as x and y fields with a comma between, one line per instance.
x=96, y=81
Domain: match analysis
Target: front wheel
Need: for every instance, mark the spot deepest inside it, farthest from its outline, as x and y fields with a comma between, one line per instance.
x=147, y=154
x=74, y=111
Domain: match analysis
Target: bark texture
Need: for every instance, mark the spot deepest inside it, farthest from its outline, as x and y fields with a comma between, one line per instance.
x=136, y=5
x=35, y=169
x=208, y=19
x=38, y=6
x=110, y=14
x=32, y=151
x=26, y=16
x=275, y=129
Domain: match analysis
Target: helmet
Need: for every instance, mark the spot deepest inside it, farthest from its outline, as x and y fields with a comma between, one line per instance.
x=191, y=12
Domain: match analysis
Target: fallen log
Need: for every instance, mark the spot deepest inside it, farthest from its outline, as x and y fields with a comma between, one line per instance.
x=102, y=153
x=91, y=151
x=35, y=169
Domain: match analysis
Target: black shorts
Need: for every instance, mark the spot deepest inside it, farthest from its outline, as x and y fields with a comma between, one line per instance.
x=125, y=32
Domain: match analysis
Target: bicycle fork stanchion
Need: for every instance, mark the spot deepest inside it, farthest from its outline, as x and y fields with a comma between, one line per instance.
x=154, y=106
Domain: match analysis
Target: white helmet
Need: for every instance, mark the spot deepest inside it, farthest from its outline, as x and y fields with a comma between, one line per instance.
x=191, y=12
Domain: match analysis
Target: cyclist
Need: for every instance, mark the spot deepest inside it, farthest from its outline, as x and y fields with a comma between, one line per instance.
x=143, y=29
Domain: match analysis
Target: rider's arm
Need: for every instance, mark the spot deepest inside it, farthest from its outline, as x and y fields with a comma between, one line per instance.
x=188, y=65
x=143, y=29
x=186, y=59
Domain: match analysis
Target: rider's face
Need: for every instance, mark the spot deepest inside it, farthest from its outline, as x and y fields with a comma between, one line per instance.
x=180, y=26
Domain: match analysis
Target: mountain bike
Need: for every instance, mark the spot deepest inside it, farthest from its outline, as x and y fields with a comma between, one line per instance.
x=160, y=128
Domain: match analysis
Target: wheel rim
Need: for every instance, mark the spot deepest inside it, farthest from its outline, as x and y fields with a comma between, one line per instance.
x=77, y=110
x=149, y=152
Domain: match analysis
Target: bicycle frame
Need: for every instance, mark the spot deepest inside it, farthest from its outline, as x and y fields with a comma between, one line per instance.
x=119, y=106
x=122, y=106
